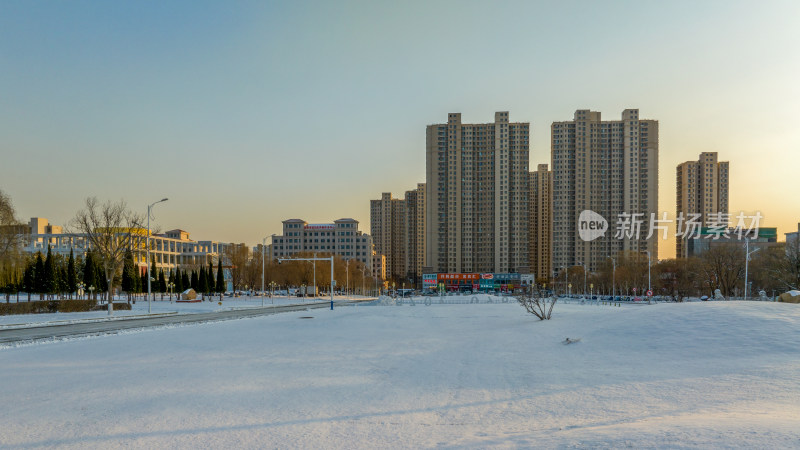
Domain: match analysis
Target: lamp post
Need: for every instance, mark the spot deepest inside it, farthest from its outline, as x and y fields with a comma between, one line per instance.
x=648, y=271
x=585, y=276
x=81, y=287
x=170, y=285
x=746, y=261
x=272, y=292
x=613, y=276
x=347, y=277
x=263, y=271
x=147, y=263
x=91, y=290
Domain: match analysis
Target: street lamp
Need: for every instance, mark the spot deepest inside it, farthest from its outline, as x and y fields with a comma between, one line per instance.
x=347, y=277
x=649, y=288
x=746, y=261
x=272, y=292
x=170, y=285
x=263, y=251
x=147, y=263
x=613, y=276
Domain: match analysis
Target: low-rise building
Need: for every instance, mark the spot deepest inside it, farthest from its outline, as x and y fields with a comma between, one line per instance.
x=169, y=250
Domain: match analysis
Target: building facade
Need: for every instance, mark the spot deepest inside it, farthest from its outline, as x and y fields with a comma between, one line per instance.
x=388, y=230
x=340, y=238
x=540, y=223
x=611, y=168
x=476, y=202
x=169, y=250
x=702, y=189
x=415, y=234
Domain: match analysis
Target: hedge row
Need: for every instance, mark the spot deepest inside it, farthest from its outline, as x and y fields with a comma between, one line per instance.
x=51, y=306
x=117, y=307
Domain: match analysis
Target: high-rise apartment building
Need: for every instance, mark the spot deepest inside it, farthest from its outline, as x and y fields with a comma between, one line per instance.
x=476, y=203
x=611, y=168
x=415, y=233
x=388, y=229
x=702, y=188
x=540, y=222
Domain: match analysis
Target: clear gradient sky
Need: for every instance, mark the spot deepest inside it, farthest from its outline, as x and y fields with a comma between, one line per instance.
x=248, y=113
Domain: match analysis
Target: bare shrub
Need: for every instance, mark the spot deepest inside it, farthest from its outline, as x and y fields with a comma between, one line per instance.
x=537, y=304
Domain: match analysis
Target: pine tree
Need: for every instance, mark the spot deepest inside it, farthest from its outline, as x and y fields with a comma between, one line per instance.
x=212, y=286
x=178, y=280
x=162, y=282
x=90, y=274
x=72, y=279
x=220, y=278
x=50, y=281
x=203, y=281
x=41, y=284
x=126, y=284
x=185, y=282
x=194, y=281
x=29, y=279
x=143, y=281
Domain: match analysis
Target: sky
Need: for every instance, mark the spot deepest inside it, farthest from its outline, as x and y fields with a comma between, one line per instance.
x=245, y=114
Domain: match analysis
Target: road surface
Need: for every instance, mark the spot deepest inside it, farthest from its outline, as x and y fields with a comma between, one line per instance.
x=49, y=332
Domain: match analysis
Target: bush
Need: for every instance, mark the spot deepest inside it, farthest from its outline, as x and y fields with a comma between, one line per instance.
x=48, y=306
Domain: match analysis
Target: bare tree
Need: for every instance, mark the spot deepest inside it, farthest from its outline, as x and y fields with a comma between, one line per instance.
x=238, y=255
x=723, y=267
x=11, y=257
x=537, y=304
x=110, y=229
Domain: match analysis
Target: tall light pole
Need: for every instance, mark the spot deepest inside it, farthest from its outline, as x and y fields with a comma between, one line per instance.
x=649, y=288
x=147, y=263
x=746, y=261
x=347, y=277
x=613, y=276
x=585, y=276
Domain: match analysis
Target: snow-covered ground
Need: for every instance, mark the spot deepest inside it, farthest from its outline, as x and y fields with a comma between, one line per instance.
x=711, y=374
x=157, y=307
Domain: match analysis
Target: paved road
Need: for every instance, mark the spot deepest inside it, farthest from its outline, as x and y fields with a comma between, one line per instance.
x=97, y=328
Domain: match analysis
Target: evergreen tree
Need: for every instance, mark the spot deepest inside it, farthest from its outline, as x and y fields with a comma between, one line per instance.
x=90, y=273
x=153, y=274
x=194, y=280
x=178, y=280
x=29, y=279
x=220, y=278
x=41, y=284
x=212, y=286
x=126, y=284
x=185, y=282
x=62, y=279
x=100, y=276
x=50, y=276
x=203, y=281
x=162, y=282
x=72, y=279
x=143, y=281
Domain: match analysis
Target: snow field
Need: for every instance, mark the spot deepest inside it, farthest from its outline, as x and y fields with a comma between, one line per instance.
x=719, y=374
